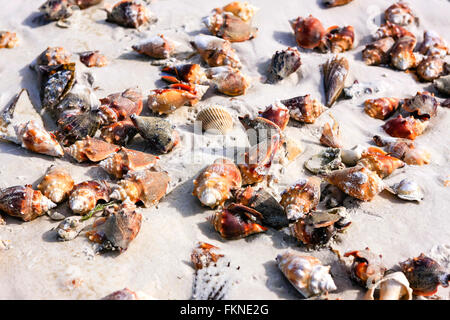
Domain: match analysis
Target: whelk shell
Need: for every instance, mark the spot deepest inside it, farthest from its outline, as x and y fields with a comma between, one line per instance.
x=337, y=39
x=229, y=26
x=380, y=162
x=56, y=184
x=120, y=133
x=393, y=286
x=128, y=14
x=91, y=149
x=216, y=51
x=157, y=47
x=283, y=64
x=34, y=137
x=215, y=119
x=120, y=163
x=433, y=45
x=93, y=59
x=430, y=68
x=304, y=108
x=407, y=128
x=392, y=30
x=8, y=39
x=400, y=13
x=402, y=55
x=228, y=80
x=378, y=52
x=119, y=106
x=367, y=267
x=188, y=73
x=335, y=71
x=84, y=196
x=381, y=108
x=423, y=105
x=301, y=198
x=308, y=31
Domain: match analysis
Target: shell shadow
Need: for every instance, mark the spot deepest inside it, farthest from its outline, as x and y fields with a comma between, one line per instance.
x=182, y=195
x=50, y=236
x=277, y=282
x=285, y=38
x=132, y=55
x=36, y=20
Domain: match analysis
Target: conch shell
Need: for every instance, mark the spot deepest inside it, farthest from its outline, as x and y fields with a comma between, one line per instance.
x=301, y=198
x=119, y=133
x=335, y=3
x=214, y=184
x=91, y=149
x=423, y=105
x=84, y=196
x=367, y=267
x=215, y=119
x=381, y=108
x=378, y=52
x=394, y=286
x=433, y=45
x=157, y=47
x=335, y=71
x=228, y=80
x=304, y=108
x=119, y=106
x=283, y=64
x=392, y=30
x=128, y=14
x=56, y=184
x=400, y=13
x=8, y=39
x=216, y=51
x=306, y=273
x=430, y=68
x=331, y=137
x=380, y=162
x=407, y=128
x=278, y=113
x=188, y=73
x=337, y=39
x=404, y=149
x=308, y=31
x=402, y=55
x=120, y=163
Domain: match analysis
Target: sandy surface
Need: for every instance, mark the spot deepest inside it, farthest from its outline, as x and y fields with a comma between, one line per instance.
x=37, y=266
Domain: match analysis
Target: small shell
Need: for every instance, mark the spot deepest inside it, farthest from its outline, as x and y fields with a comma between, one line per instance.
x=34, y=137
x=407, y=128
x=367, y=267
x=54, y=10
x=358, y=182
x=8, y=39
x=188, y=73
x=283, y=64
x=443, y=84
x=119, y=106
x=392, y=30
x=308, y=31
x=351, y=156
x=335, y=3
x=214, y=184
x=120, y=133
x=70, y=228
x=120, y=163
x=91, y=149
x=402, y=55
x=157, y=47
x=127, y=294
x=56, y=184
x=325, y=161
x=228, y=80
x=83, y=4
x=338, y=39
x=404, y=149
x=259, y=129
x=423, y=105
x=400, y=13
x=203, y=255
x=306, y=273
x=424, y=275
x=408, y=190
x=215, y=119
x=241, y=9
x=84, y=196
x=430, y=68
x=128, y=14
x=380, y=162
x=301, y=198
x=53, y=56
x=378, y=52
x=236, y=222
x=335, y=71
x=277, y=113
x=381, y=108
x=230, y=27
x=304, y=109
x=331, y=137
x=393, y=286
x=433, y=45
x=216, y=51
x=23, y=202
x=93, y=59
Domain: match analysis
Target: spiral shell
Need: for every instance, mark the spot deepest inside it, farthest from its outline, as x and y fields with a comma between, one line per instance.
x=283, y=64
x=157, y=47
x=93, y=59
x=229, y=26
x=380, y=162
x=91, y=149
x=84, y=196
x=228, y=80
x=338, y=39
x=56, y=184
x=120, y=163
x=54, y=10
x=304, y=109
x=400, y=13
x=335, y=71
x=402, y=55
x=367, y=267
x=301, y=198
x=306, y=273
x=188, y=73
x=8, y=39
x=34, y=137
x=215, y=119
x=381, y=108
x=392, y=30
x=308, y=31
x=430, y=68
x=216, y=51
x=120, y=133
x=128, y=14
x=394, y=286
x=423, y=105
x=378, y=52
x=119, y=106
x=433, y=45
x=407, y=128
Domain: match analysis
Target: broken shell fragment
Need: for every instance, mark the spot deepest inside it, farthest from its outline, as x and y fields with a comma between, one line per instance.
x=119, y=106
x=85, y=195
x=23, y=202
x=93, y=59
x=54, y=10
x=301, y=198
x=56, y=184
x=259, y=129
x=433, y=45
x=402, y=55
x=367, y=267
x=157, y=47
x=120, y=163
x=408, y=189
x=229, y=26
x=331, y=137
x=325, y=161
x=277, y=113
x=304, y=108
x=400, y=13
x=34, y=137
x=283, y=64
x=188, y=73
x=423, y=105
x=128, y=14
x=228, y=80
x=306, y=273
x=394, y=286
x=119, y=133
x=337, y=39
x=335, y=71
x=380, y=162
x=407, y=128
x=70, y=228
x=216, y=51
x=381, y=108
x=335, y=3
x=215, y=119
x=378, y=52
x=308, y=31
x=442, y=84
x=8, y=39
x=91, y=149
x=214, y=184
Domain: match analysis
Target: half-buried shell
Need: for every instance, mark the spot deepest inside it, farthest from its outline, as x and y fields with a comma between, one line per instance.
x=215, y=119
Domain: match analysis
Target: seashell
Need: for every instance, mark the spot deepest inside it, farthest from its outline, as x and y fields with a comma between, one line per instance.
x=430, y=68
x=402, y=55
x=393, y=286
x=120, y=228
x=215, y=119
x=57, y=81
x=423, y=105
x=351, y=156
x=119, y=133
x=378, y=52
x=188, y=73
x=8, y=39
x=241, y=9
x=237, y=222
x=331, y=137
x=93, y=59
x=400, y=13
x=84, y=4
x=54, y=10
x=129, y=14
x=301, y=198
x=53, y=56
x=71, y=227
x=228, y=80
x=120, y=163
x=203, y=255
x=143, y=186
x=380, y=162
x=166, y=101
x=23, y=202
x=332, y=196
x=293, y=148
x=442, y=84
x=283, y=64
x=259, y=129
x=407, y=128
x=325, y=161
x=335, y=3
x=272, y=212
x=367, y=267
x=337, y=39
x=229, y=26
x=119, y=106
x=91, y=149
x=306, y=273
x=159, y=133
x=335, y=71
x=308, y=31
x=404, y=149
x=56, y=184
x=392, y=30
x=276, y=113
x=408, y=190
x=381, y=108
x=258, y=160
x=317, y=228
x=214, y=184
x=85, y=195
x=77, y=125
x=157, y=47
x=304, y=109
x=127, y=294
x=433, y=45
x=216, y=51
x=358, y=182
x=424, y=275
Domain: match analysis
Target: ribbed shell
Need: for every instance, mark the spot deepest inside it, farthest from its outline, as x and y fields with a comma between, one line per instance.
x=56, y=184
x=215, y=118
x=85, y=195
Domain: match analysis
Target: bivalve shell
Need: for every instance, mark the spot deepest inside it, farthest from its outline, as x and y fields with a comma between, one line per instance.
x=215, y=119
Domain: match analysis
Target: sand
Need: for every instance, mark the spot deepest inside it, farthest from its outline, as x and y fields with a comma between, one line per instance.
x=37, y=266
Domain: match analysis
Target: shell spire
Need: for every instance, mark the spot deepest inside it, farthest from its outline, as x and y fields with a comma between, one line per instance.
x=301, y=198
x=84, y=196
x=56, y=184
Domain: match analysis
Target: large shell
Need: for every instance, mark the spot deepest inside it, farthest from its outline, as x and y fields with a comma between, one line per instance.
x=400, y=13
x=120, y=163
x=407, y=128
x=53, y=56
x=380, y=162
x=308, y=31
x=430, y=68
x=8, y=39
x=331, y=137
x=262, y=201
x=228, y=80
x=423, y=105
x=157, y=47
x=408, y=189
x=84, y=196
x=93, y=59
x=56, y=184
x=381, y=108
x=91, y=149
x=236, y=222
x=119, y=106
x=188, y=73
x=424, y=275
x=143, y=186
x=159, y=133
x=278, y=113
x=57, y=81
x=335, y=71
x=394, y=286
x=335, y=3
x=304, y=108
x=325, y=161
x=402, y=55
x=229, y=26
x=433, y=45
x=283, y=64
x=378, y=52
x=34, y=137
x=301, y=198
x=338, y=39
x=443, y=84
x=128, y=14
x=404, y=149
x=23, y=202
x=306, y=273
x=358, y=182
x=214, y=184
x=215, y=119
x=216, y=51
x=392, y=30
x=367, y=267
x=119, y=133
x=54, y=10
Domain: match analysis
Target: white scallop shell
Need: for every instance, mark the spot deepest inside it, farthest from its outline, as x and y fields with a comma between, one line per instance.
x=215, y=119
x=408, y=189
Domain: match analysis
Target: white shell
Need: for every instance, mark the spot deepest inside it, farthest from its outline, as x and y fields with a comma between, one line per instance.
x=394, y=286
x=352, y=156
x=215, y=119
x=408, y=190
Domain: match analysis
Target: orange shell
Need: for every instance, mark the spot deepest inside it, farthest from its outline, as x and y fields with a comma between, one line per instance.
x=304, y=108
x=377, y=52
x=278, y=114
x=91, y=149
x=308, y=32
x=127, y=160
x=379, y=161
x=301, y=198
x=381, y=108
x=8, y=39
x=408, y=128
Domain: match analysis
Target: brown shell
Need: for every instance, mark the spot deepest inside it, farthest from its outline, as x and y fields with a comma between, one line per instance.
x=367, y=268
x=203, y=255
x=124, y=294
x=93, y=59
x=230, y=27
x=378, y=52
x=54, y=10
x=188, y=73
x=407, y=128
x=119, y=106
x=430, y=68
x=8, y=39
x=433, y=45
x=283, y=64
x=392, y=30
x=278, y=114
x=405, y=150
x=308, y=31
x=56, y=184
x=381, y=108
x=83, y=4
x=85, y=195
x=53, y=56
x=400, y=13
x=335, y=71
x=301, y=198
x=338, y=39
x=215, y=118
x=379, y=161
x=127, y=160
x=35, y=138
x=228, y=80
x=119, y=133
x=331, y=137
x=129, y=14
x=157, y=47
x=423, y=105
x=335, y=3
x=304, y=108
x=402, y=55
x=216, y=51
x=91, y=149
